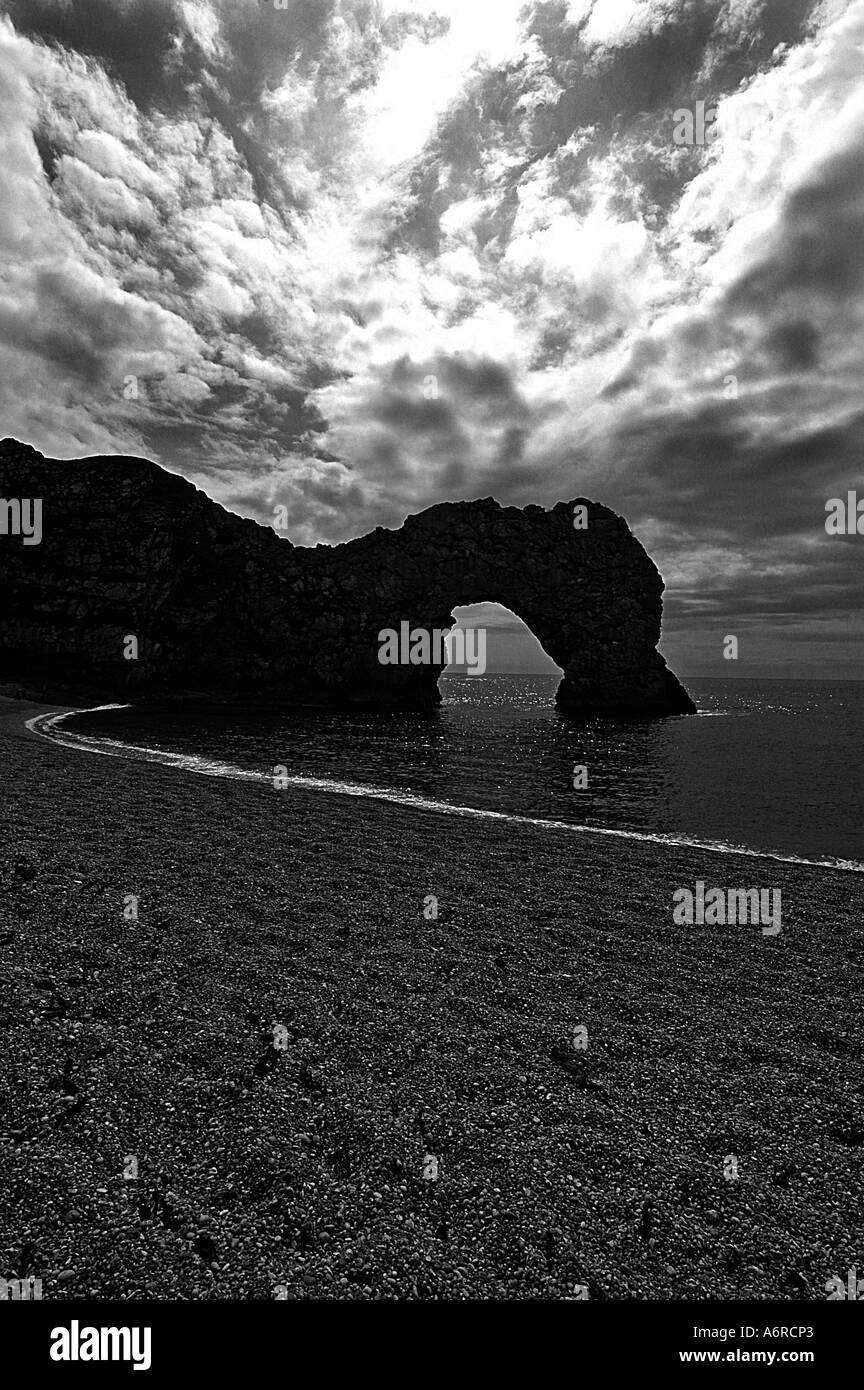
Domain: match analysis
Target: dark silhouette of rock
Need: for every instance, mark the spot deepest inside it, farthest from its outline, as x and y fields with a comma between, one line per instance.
x=225, y=609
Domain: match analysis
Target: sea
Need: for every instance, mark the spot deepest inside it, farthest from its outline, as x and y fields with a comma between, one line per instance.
x=769, y=767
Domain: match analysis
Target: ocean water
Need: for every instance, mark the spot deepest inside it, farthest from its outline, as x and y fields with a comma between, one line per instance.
x=767, y=766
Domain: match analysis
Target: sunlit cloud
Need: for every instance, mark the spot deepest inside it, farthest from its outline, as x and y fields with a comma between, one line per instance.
x=357, y=258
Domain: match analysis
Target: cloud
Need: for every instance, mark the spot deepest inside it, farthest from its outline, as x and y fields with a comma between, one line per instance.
x=363, y=257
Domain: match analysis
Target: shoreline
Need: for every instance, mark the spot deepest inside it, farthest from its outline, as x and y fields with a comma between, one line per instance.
x=48, y=721
x=303, y=1167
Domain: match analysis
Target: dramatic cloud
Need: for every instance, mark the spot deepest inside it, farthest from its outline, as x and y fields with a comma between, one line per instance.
x=357, y=257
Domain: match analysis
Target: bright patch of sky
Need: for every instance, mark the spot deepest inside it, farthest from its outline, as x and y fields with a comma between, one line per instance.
x=420, y=80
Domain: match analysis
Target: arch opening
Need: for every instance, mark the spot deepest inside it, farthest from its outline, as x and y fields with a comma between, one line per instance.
x=503, y=639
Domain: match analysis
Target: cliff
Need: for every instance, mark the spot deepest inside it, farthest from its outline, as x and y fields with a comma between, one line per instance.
x=225, y=609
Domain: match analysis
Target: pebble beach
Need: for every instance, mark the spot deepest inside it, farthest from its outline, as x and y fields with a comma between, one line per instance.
x=277, y=1077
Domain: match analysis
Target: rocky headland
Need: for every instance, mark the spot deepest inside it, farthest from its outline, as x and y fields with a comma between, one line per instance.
x=224, y=609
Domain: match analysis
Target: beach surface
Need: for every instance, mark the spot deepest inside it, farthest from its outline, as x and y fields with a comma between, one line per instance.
x=420, y=1124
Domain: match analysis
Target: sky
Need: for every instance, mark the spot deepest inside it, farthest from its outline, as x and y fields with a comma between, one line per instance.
x=355, y=258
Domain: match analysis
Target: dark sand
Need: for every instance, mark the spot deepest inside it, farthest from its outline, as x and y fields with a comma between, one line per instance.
x=407, y=1038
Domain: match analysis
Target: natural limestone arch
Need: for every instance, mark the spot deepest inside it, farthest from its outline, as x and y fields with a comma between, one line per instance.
x=592, y=597
x=225, y=609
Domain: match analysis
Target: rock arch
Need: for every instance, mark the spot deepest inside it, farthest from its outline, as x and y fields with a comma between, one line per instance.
x=592, y=597
x=224, y=609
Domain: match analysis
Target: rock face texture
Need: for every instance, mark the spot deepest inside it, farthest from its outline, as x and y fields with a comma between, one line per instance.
x=225, y=609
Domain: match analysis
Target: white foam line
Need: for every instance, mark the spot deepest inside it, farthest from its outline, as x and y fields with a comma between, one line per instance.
x=46, y=725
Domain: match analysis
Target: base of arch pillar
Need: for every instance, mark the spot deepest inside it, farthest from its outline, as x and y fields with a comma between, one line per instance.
x=658, y=695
